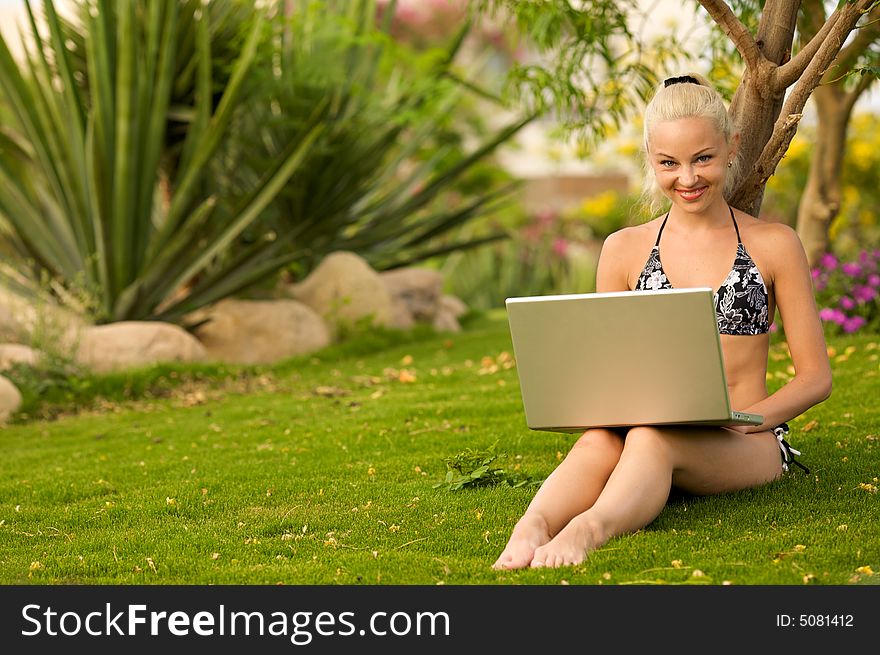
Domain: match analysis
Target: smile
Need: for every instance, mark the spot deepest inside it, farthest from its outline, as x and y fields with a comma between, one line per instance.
x=691, y=194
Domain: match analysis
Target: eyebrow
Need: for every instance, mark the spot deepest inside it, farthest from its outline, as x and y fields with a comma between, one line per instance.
x=696, y=154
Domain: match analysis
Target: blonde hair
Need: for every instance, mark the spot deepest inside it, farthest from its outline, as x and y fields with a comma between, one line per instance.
x=684, y=99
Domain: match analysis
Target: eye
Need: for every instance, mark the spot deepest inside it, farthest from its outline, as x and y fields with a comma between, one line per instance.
x=704, y=158
x=667, y=163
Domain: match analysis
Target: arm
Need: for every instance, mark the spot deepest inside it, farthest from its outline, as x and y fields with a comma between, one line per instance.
x=793, y=289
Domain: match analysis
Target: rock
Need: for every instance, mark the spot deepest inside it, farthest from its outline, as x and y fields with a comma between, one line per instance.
x=401, y=318
x=134, y=344
x=449, y=310
x=259, y=331
x=344, y=289
x=10, y=399
x=445, y=321
x=38, y=323
x=11, y=331
x=419, y=289
x=14, y=353
x=453, y=305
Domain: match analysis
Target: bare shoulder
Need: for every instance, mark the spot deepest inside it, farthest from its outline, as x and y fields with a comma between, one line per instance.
x=623, y=254
x=775, y=246
x=633, y=239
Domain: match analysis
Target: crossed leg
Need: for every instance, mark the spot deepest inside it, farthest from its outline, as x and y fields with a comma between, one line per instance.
x=570, y=489
x=594, y=494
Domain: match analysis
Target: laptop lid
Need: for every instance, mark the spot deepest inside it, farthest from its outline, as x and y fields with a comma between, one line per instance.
x=619, y=359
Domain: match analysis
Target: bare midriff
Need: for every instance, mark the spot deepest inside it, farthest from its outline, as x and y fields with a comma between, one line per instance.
x=745, y=365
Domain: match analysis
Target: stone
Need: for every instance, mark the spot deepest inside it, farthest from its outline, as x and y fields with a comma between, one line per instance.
x=15, y=353
x=453, y=304
x=419, y=289
x=37, y=323
x=344, y=290
x=258, y=331
x=11, y=330
x=445, y=321
x=10, y=399
x=401, y=318
x=136, y=344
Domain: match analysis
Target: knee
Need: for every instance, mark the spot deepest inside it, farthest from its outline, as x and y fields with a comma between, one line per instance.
x=648, y=438
x=602, y=439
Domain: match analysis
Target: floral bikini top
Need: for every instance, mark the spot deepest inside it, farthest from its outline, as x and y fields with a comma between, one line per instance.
x=741, y=305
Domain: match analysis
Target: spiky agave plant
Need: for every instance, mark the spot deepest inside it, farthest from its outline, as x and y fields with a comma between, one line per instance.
x=152, y=225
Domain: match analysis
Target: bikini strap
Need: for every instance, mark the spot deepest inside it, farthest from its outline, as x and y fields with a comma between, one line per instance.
x=735, y=226
x=666, y=218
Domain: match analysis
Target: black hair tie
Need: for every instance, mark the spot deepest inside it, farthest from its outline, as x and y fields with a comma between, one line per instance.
x=684, y=79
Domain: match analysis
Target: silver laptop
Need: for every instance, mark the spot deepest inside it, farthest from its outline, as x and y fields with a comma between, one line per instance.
x=620, y=359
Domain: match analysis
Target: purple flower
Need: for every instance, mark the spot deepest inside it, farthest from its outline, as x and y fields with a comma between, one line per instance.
x=852, y=269
x=847, y=303
x=815, y=273
x=828, y=261
x=832, y=315
x=863, y=293
x=874, y=280
x=852, y=324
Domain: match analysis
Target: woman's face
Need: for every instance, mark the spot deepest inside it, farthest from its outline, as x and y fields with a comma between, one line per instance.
x=689, y=158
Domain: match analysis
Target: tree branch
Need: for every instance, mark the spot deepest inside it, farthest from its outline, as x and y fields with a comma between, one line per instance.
x=789, y=72
x=745, y=44
x=865, y=36
x=792, y=111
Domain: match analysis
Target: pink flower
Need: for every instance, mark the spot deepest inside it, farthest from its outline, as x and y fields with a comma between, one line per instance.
x=847, y=303
x=832, y=315
x=852, y=269
x=852, y=324
x=874, y=280
x=828, y=261
x=560, y=246
x=864, y=293
x=815, y=273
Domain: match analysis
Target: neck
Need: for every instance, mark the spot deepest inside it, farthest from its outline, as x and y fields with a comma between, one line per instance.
x=715, y=216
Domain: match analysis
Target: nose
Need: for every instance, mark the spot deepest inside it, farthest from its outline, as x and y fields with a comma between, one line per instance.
x=687, y=176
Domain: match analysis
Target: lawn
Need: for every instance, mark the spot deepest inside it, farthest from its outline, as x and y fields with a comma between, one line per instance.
x=325, y=470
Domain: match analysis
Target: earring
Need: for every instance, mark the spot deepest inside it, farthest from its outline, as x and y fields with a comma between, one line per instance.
x=729, y=164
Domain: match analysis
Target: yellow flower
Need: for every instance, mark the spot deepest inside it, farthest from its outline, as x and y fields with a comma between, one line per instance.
x=600, y=204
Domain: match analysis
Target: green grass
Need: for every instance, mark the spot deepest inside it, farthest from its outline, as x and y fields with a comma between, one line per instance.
x=323, y=470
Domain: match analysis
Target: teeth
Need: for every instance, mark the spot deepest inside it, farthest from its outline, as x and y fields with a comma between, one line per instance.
x=691, y=194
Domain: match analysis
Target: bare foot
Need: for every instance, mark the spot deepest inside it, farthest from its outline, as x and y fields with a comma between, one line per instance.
x=571, y=546
x=530, y=533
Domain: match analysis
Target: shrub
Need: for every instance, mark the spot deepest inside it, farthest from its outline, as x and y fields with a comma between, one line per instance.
x=847, y=292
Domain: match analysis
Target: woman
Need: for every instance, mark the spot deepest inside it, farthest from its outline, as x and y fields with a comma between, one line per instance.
x=616, y=481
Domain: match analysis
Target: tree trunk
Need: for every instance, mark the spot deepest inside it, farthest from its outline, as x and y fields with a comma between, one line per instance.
x=757, y=102
x=764, y=109
x=820, y=201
